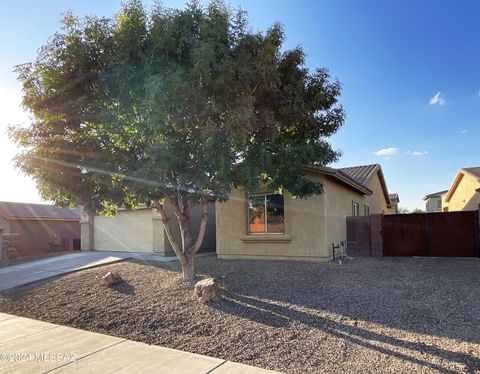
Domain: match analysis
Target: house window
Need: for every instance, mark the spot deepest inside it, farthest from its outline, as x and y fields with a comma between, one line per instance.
x=439, y=204
x=355, y=209
x=266, y=214
x=366, y=210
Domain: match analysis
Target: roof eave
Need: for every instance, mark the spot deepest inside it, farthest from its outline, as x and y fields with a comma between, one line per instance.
x=334, y=173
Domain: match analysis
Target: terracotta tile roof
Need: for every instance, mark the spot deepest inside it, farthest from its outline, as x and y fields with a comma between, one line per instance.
x=360, y=174
x=37, y=211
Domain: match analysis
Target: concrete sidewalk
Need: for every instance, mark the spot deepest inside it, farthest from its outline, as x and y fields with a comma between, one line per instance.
x=31, y=346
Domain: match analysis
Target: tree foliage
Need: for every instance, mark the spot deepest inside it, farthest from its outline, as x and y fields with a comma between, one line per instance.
x=172, y=105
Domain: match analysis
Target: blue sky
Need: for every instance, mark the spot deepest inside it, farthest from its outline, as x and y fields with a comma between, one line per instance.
x=410, y=73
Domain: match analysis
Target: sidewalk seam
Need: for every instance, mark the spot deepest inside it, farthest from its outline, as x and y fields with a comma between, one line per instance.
x=216, y=367
x=87, y=355
x=28, y=335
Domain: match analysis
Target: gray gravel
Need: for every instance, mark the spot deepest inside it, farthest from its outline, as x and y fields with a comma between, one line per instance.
x=365, y=315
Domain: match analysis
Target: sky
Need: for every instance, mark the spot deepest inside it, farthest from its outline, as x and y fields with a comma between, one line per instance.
x=410, y=73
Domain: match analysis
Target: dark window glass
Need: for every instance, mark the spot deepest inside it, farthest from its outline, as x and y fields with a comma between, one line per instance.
x=275, y=214
x=266, y=214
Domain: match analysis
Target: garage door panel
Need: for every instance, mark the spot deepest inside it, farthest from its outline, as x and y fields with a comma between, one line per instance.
x=127, y=231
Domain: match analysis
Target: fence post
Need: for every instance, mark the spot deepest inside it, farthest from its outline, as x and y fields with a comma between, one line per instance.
x=376, y=235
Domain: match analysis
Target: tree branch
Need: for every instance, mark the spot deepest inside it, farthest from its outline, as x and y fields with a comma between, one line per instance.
x=168, y=230
x=203, y=227
x=173, y=202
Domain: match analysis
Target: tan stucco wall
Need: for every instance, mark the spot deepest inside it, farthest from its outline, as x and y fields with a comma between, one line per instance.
x=465, y=197
x=311, y=225
x=304, y=230
x=142, y=230
x=339, y=200
x=376, y=201
x=127, y=231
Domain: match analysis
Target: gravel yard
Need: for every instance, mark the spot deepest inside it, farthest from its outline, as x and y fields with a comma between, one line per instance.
x=365, y=315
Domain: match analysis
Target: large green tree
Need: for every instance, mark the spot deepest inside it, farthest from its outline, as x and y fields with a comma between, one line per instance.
x=172, y=107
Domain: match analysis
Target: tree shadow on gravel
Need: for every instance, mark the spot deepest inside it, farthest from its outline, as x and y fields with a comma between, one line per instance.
x=276, y=315
x=123, y=287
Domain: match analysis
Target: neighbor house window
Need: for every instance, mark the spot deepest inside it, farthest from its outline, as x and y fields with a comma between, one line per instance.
x=355, y=209
x=439, y=204
x=366, y=210
x=266, y=214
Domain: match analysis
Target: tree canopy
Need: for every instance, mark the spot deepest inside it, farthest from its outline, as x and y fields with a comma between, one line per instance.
x=172, y=106
x=128, y=109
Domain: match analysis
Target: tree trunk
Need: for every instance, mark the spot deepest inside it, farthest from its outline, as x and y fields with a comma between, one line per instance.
x=188, y=270
x=186, y=253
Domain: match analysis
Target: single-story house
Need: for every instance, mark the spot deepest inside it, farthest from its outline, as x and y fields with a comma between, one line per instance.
x=433, y=201
x=464, y=194
x=266, y=225
x=39, y=228
x=141, y=230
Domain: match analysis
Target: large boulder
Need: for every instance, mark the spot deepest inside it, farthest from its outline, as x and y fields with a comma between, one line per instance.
x=206, y=290
x=110, y=279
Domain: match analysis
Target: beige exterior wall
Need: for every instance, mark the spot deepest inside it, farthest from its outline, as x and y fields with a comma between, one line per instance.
x=465, y=197
x=311, y=225
x=141, y=230
x=376, y=201
x=127, y=231
x=339, y=205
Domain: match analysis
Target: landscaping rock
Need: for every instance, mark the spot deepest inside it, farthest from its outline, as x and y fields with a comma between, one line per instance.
x=110, y=279
x=206, y=290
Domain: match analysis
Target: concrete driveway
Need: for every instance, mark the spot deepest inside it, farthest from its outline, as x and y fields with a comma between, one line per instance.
x=33, y=271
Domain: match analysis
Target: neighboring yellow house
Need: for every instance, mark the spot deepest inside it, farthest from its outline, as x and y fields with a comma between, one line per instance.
x=433, y=201
x=266, y=225
x=464, y=194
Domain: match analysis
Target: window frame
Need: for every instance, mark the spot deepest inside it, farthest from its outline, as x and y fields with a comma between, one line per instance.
x=366, y=209
x=264, y=194
x=355, y=205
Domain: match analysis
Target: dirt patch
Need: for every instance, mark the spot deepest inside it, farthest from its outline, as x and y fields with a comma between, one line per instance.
x=373, y=315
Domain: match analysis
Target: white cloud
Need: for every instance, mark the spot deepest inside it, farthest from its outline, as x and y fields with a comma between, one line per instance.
x=387, y=151
x=464, y=131
x=437, y=99
x=416, y=153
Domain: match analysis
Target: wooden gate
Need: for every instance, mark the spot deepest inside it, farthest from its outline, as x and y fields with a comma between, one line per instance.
x=453, y=234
